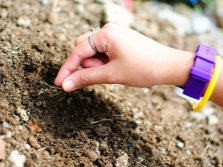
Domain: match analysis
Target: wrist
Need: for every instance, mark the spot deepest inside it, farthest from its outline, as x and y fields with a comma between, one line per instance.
x=182, y=71
x=178, y=65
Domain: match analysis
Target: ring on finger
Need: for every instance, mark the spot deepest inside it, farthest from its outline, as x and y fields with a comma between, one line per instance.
x=94, y=29
x=91, y=43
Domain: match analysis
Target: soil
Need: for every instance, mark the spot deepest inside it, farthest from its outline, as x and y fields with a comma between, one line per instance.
x=102, y=125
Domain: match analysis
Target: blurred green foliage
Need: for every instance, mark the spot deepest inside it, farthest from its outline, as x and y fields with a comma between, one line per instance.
x=196, y=4
x=193, y=2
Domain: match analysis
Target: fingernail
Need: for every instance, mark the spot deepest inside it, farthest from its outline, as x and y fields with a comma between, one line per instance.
x=68, y=85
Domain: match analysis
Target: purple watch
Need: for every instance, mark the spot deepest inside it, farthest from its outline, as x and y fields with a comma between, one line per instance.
x=201, y=72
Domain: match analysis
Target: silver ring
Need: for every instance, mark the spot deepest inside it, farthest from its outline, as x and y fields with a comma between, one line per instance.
x=94, y=29
x=90, y=38
x=92, y=44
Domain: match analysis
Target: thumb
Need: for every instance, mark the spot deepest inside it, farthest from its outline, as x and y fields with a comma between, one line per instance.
x=86, y=77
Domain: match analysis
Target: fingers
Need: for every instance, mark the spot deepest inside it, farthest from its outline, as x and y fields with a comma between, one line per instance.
x=82, y=38
x=91, y=62
x=85, y=77
x=77, y=56
x=96, y=60
x=80, y=53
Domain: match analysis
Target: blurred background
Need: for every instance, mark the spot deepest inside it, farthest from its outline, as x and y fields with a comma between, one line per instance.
x=184, y=20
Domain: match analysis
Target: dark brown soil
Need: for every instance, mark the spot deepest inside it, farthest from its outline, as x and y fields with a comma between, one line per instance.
x=103, y=125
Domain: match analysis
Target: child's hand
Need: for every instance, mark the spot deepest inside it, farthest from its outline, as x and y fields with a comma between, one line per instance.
x=124, y=57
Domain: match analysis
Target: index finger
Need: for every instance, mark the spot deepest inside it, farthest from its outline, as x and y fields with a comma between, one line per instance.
x=81, y=52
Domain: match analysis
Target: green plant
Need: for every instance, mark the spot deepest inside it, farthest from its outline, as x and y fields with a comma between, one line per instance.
x=199, y=6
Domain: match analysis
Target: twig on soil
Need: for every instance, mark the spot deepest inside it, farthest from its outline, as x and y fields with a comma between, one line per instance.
x=170, y=145
x=57, y=94
x=60, y=99
x=41, y=149
x=205, y=150
x=51, y=87
x=202, y=154
x=104, y=120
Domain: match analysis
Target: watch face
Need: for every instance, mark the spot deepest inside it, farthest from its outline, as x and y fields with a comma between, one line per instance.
x=179, y=91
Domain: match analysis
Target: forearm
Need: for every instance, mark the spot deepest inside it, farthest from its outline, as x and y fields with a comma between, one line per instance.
x=179, y=67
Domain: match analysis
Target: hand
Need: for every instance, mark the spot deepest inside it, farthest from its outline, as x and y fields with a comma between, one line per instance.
x=124, y=57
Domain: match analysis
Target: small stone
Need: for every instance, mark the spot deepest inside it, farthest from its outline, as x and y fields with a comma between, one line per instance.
x=53, y=18
x=80, y=9
x=27, y=146
x=97, y=148
x=122, y=161
x=8, y=135
x=24, y=21
x=197, y=115
x=188, y=152
x=33, y=142
x=212, y=120
x=61, y=37
x=139, y=115
x=140, y=159
x=138, y=122
x=180, y=144
x=145, y=90
x=17, y=159
x=2, y=150
x=163, y=150
x=188, y=124
x=3, y=13
x=44, y=2
x=206, y=112
x=23, y=114
x=5, y=124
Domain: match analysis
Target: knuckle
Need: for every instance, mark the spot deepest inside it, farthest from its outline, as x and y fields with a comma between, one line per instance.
x=108, y=26
x=105, y=36
x=85, y=79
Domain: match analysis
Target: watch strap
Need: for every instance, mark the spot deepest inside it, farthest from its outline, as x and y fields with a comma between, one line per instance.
x=179, y=91
x=201, y=72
